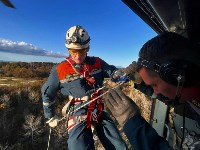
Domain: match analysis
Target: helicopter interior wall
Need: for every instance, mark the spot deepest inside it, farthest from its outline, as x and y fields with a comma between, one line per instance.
x=181, y=16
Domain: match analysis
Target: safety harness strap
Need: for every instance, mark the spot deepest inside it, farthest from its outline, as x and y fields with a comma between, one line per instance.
x=85, y=71
x=91, y=108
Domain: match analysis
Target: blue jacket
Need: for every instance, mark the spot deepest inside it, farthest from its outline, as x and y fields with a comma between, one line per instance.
x=64, y=79
x=142, y=136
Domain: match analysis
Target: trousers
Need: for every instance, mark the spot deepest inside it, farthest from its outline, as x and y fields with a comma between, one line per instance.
x=81, y=138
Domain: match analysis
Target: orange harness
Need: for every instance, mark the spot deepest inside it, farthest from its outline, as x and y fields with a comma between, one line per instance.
x=91, y=108
x=85, y=71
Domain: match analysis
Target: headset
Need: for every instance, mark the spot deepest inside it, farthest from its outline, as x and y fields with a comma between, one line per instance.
x=176, y=72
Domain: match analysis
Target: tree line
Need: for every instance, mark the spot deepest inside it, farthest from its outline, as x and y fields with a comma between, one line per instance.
x=25, y=69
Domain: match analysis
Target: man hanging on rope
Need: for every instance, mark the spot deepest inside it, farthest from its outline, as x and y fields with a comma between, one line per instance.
x=81, y=78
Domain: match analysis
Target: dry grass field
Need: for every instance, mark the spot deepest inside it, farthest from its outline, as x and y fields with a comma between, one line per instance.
x=11, y=81
x=21, y=97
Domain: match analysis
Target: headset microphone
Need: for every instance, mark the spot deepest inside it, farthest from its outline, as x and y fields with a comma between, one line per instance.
x=179, y=87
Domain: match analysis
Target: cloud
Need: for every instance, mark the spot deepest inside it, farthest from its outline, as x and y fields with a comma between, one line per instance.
x=26, y=49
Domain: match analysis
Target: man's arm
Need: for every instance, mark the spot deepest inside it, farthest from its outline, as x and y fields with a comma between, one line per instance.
x=107, y=69
x=116, y=75
x=140, y=134
x=49, y=91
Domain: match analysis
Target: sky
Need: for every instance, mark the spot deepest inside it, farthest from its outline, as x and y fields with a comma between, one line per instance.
x=35, y=30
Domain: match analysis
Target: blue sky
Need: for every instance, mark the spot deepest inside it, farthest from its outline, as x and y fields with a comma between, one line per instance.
x=36, y=29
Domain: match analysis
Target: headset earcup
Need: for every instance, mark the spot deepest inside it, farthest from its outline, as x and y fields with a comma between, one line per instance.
x=173, y=72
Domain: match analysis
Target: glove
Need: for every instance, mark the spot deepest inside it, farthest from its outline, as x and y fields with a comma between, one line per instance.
x=121, y=79
x=53, y=122
x=121, y=106
x=142, y=87
x=119, y=76
x=148, y=90
x=131, y=71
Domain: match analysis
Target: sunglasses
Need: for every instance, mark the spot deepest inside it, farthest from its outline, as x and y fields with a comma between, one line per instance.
x=74, y=52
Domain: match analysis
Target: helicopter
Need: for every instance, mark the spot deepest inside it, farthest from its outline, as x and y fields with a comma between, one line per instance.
x=8, y=3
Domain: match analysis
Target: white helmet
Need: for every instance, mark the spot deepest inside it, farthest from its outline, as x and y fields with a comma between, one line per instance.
x=77, y=38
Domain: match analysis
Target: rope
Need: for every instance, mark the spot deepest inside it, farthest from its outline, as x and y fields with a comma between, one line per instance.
x=49, y=138
x=69, y=112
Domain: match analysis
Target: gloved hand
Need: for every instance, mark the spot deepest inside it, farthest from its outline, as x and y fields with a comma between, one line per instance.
x=119, y=76
x=121, y=106
x=121, y=79
x=142, y=87
x=53, y=122
x=132, y=72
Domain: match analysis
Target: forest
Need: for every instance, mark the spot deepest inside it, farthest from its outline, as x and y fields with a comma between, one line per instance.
x=25, y=70
x=22, y=123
